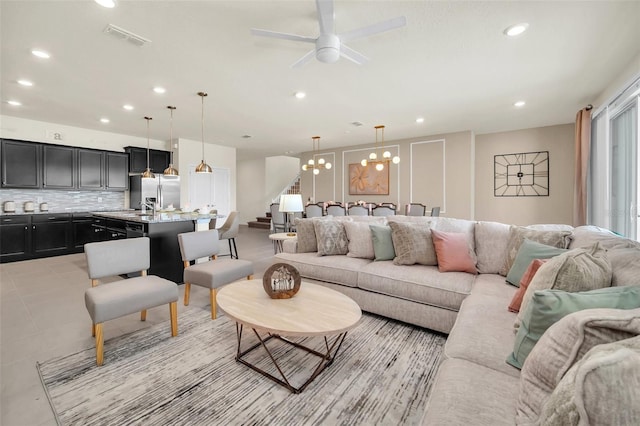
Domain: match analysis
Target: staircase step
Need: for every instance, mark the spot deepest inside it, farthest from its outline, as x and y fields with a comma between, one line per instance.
x=264, y=219
x=261, y=225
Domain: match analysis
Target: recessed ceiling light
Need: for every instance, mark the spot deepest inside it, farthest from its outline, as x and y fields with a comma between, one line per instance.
x=106, y=3
x=419, y=120
x=516, y=29
x=127, y=107
x=14, y=103
x=40, y=54
x=246, y=136
x=25, y=83
x=104, y=120
x=300, y=95
x=159, y=89
x=519, y=104
x=356, y=123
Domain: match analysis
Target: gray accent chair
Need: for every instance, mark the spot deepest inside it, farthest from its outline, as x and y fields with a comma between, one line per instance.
x=277, y=218
x=117, y=299
x=415, y=209
x=313, y=210
x=212, y=274
x=383, y=211
x=358, y=210
x=229, y=231
x=435, y=212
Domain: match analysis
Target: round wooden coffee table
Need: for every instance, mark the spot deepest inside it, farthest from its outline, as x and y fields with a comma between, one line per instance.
x=315, y=311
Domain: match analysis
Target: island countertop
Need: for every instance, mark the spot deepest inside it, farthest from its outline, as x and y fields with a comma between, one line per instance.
x=159, y=217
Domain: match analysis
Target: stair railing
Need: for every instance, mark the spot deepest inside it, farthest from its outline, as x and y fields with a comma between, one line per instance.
x=293, y=187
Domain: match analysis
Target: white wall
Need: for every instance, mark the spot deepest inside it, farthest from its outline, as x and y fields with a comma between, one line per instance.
x=278, y=173
x=252, y=201
x=630, y=73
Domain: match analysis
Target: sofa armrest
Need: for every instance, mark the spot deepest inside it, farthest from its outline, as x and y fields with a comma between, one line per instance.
x=290, y=246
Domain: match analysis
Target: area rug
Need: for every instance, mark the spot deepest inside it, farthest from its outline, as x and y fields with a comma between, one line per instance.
x=382, y=376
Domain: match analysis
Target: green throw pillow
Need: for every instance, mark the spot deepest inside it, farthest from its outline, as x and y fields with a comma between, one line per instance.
x=528, y=252
x=382, y=242
x=549, y=306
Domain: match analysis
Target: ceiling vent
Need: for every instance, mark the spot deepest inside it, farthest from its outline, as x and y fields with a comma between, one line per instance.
x=122, y=34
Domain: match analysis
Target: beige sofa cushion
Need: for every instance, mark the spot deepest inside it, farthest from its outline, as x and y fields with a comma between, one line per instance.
x=491, y=240
x=419, y=283
x=561, y=346
x=360, y=238
x=581, y=269
x=592, y=390
x=336, y=269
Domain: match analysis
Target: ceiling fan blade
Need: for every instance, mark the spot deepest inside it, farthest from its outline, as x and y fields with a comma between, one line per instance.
x=380, y=27
x=352, y=55
x=285, y=36
x=306, y=58
x=326, y=17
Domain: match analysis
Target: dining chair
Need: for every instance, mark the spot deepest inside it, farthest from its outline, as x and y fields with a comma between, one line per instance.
x=108, y=301
x=435, y=211
x=358, y=210
x=229, y=231
x=415, y=209
x=213, y=273
x=277, y=218
x=313, y=210
x=336, y=210
x=383, y=211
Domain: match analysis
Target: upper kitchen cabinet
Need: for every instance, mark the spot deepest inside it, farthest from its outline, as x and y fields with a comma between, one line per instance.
x=117, y=171
x=59, y=167
x=21, y=164
x=90, y=169
x=158, y=160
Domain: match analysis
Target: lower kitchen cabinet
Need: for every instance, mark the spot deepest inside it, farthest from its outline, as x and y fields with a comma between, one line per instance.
x=15, y=238
x=86, y=229
x=51, y=234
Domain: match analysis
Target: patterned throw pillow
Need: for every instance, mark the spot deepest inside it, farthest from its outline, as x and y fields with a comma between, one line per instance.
x=306, y=234
x=332, y=238
x=517, y=234
x=413, y=244
x=581, y=269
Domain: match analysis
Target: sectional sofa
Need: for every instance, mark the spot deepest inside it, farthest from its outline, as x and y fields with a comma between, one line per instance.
x=474, y=384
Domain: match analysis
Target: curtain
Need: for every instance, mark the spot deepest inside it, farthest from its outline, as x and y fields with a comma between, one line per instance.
x=582, y=149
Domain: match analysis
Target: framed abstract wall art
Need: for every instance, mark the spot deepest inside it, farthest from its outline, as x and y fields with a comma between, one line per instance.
x=524, y=174
x=366, y=180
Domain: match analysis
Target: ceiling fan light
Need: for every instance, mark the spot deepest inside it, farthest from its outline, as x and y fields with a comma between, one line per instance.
x=396, y=160
x=327, y=166
x=379, y=167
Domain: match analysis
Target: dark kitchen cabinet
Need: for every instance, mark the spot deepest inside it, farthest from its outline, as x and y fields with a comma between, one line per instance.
x=158, y=160
x=90, y=169
x=15, y=238
x=21, y=164
x=59, y=167
x=86, y=229
x=51, y=234
x=117, y=171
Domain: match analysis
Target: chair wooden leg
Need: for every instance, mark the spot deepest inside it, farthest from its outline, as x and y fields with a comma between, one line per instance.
x=99, y=344
x=173, y=312
x=143, y=315
x=187, y=292
x=214, y=308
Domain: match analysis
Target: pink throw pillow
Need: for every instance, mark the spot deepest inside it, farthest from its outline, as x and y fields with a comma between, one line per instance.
x=452, y=251
x=533, y=267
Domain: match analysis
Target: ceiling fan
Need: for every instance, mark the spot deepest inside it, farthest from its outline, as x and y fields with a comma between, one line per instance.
x=329, y=45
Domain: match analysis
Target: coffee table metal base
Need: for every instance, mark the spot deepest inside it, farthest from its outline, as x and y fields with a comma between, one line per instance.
x=326, y=358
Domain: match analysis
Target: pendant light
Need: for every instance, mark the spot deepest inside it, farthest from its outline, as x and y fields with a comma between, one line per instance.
x=321, y=164
x=148, y=174
x=170, y=172
x=386, y=155
x=203, y=167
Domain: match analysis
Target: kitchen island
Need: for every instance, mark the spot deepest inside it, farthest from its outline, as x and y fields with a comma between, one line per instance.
x=162, y=229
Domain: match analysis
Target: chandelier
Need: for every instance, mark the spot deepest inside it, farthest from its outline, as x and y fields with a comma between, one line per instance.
x=380, y=160
x=311, y=164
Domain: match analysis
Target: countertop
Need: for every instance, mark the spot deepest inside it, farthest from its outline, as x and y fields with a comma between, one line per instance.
x=160, y=217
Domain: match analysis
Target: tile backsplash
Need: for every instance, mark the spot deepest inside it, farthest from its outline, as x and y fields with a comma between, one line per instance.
x=63, y=201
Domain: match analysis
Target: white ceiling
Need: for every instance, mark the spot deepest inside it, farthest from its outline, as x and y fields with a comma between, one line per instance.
x=451, y=65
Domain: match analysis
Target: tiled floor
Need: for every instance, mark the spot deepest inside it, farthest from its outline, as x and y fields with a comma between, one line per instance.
x=43, y=316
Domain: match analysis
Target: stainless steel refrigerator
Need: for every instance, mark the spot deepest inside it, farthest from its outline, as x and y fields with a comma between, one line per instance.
x=161, y=190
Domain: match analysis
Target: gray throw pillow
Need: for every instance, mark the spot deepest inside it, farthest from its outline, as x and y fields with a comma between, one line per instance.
x=331, y=236
x=517, y=234
x=306, y=234
x=413, y=244
x=382, y=242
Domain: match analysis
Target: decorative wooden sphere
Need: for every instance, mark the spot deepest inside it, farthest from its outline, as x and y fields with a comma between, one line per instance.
x=281, y=281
